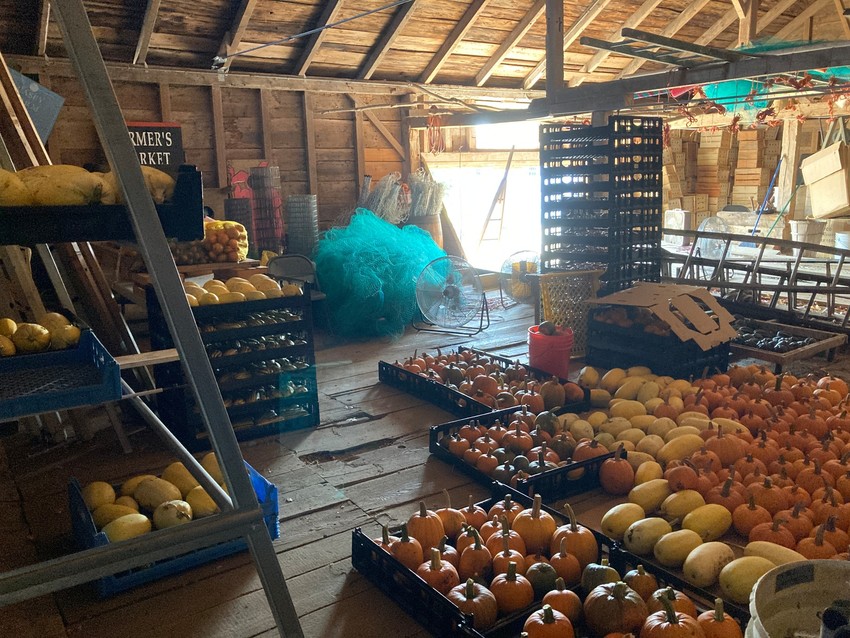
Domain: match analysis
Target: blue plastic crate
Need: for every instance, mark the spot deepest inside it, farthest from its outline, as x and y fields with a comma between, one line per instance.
x=58, y=380
x=86, y=536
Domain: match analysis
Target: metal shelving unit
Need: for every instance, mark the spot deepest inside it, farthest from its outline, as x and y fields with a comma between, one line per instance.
x=241, y=515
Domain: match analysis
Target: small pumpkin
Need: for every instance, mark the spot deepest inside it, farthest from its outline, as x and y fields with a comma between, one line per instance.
x=616, y=475
x=426, y=527
x=580, y=540
x=438, y=573
x=716, y=624
x=678, y=600
x=506, y=507
x=386, y=540
x=669, y=623
x=477, y=601
x=476, y=561
x=566, y=565
x=474, y=514
x=407, y=550
x=512, y=591
x=595, y=574
x=548, y=623
x=614, y=607
x=448, y=552
x=535, y=526
x=564, y=600
x=494, y=543
x=773, y=532
x=453, y=520
x=746, y=517
x=502, y=559
x=641, y=581
x=542, y=577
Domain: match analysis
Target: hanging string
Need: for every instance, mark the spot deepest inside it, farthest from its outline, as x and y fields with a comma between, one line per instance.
x=436, y=140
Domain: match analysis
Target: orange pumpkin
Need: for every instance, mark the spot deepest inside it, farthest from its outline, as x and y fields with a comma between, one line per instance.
x=475, y=561
x=641, y=581
x=475, y=600
x=506, y=507
x=616, y=475
x=670, y=623
x=407, y=550
x=614, y=607
x=716, y=624
x=448, y=552
x=452, y=519
x=817, y=547
x=773, y=532
x=548, y=623
x=580, y=540
x=746, y=517
x=677, y=599
x=474, y=515
x=512, y=591
x=386, y=540
x=426, y=527
x=795, y=521
x=564, y=600
x=438, y=573
x=502, y=559
x=535, y=526
x=566, y=565
x=495, y=542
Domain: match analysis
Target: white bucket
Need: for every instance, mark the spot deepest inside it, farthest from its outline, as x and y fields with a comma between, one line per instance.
x=788, y=600
x=842, y=240
x=809, y=231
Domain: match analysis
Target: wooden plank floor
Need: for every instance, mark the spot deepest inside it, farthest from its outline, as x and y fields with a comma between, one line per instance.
x=367, y=464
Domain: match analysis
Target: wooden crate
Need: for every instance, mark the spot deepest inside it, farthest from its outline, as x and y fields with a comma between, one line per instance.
x=827, y=342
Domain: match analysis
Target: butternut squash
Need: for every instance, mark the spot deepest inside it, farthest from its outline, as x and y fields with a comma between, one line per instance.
x=643, y=421
x=709, y=521
x=651, y=494
x=640, y=538
x=703, y=565
x=647, y=471
x=776, y=554
x=638, y=459
x=629, y=389
x=738, y=577
x=680, y=504
x=672, y=549
x=616, y=520
x=681, y=431
x=679, y=448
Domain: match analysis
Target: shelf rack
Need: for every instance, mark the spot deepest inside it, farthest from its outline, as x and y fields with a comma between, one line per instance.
x=241, y=515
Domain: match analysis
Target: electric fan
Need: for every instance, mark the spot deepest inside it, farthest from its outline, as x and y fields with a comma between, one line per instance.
x=711, y=247
x=514, y=278
x=449, y=295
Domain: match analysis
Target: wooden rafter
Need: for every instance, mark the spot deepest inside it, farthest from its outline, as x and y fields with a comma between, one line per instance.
x=233, y=37
x=748, y=23
x=329, y=14
x=43, y=21
x=389, y=35
x=845, y=23
x=631, y=22
x=512, y=40
x=570, y=36
x=668, y=32
x=809, y=12
x=457, y=34
x=146, y=32
x=740, y=8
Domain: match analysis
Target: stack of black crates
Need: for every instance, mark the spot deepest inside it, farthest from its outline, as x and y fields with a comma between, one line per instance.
x=263, y=358
x=601, y=199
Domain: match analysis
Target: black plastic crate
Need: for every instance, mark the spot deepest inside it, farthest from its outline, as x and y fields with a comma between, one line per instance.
x=432, y=391
x=430, y=608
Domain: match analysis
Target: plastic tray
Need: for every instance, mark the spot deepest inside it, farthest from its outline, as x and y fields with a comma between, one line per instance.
x=181, y=218
x=440, y=395
x=58, y=380
x=86, y=536
x=430, y=608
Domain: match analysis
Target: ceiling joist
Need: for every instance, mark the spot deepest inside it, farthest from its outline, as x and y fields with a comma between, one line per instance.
x=389, y=35
x=233, y=37
x=146, y=32
x=457, y=34
x=809, y=12
x=570, y=35
x=518, y=33
x=842, y=20
x=748, y=22
x=43, y=21
x=329, y=14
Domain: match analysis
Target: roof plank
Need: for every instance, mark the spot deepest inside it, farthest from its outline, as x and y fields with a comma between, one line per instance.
x=809, y=12
x=329, y=14
x=44, y=20
x=232, y=39
x=383, y=45
x=511, y=41
x=146, y=32
x=452, y=41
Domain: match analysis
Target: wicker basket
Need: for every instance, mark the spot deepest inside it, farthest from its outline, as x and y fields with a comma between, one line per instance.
x=563, y=298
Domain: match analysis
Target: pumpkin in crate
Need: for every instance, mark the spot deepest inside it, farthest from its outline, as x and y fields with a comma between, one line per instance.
x=616, y=474
x=386, y=540
x=641, y=581
x=438, y=573
x=548, y=623
x=535, y=526
x=515, y=541
x=513, y=591
x=452, y=519
x=670, y=623
x=717, y=624
x=476, y=561
x=542, y=577
x=614, y=607
x=407, y=550
x=474, y=514
x=426, y=527
x=566, y=565
x=564, y=600
x=595, y=574
x=506, y=507
x=580, y=540
x=678, y=600
x=477, y=601
x=502, y=559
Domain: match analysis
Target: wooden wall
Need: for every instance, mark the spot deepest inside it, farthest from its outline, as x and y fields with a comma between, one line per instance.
x=319, y=142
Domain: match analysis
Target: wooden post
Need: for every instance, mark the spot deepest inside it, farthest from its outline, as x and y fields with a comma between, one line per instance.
x=788, y=172
x=310, y=144
x=266, y=124
x=218, y=136
x=165, y=102
x=359, y=147
x=554, y=46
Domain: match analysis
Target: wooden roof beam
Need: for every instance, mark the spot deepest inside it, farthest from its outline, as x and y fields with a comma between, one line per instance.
x=43, y=21
x=748, y=22
x=233, y=36
x=518, y=33
x=631, y=22
x=457, y=34
x=329, y=14
x=570, y=35
x=845, y=23
x=809, y=12
x=389, y=35
x=148, y=24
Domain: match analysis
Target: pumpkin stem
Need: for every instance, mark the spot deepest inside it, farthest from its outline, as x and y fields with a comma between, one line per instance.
x=506, y=545
x=506, y=526
x=442, y=545
x=667, y=604
x=448, y=498
x=727, y=487
x=641, y=570
x=471, y=506
x=563, y=545
x=799, y=506
x=535, y=509
x=819, y=535
x=604, y=562
x=718, y=610
x=385, y=535
x=572, y=516
x=619, y=590
x=477, y=538
x=404, y=537
x=548, y=616
x=436, y=559
x=422, y=511
x=470, y=589
x=511, y=575
x=560, y=585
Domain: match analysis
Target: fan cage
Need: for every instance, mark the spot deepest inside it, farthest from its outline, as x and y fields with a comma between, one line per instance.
x=563, y=300
x=432, y=284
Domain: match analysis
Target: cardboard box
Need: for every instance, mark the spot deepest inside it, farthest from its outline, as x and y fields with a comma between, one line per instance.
x=674, y=304
x=824, y=163
x=830, y=196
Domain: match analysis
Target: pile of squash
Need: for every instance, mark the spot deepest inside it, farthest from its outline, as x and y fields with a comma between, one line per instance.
x=497, y=562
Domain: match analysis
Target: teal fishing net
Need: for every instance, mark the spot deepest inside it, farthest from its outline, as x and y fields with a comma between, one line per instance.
x=368, y=270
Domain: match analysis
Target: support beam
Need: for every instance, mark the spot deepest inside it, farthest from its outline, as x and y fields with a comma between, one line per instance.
x=669, y=31
x=740, y=9
x=310, y=144
x=359, y=145
x=555, y=51
x=842, y=20
x=146, y=32
x=809, y=12
x=266, y=123
x=233, y=37
x=748, y=23
x=631, y=22
x=383, y=45
x=570, y=35
x=182, y=77
x=43, y=23
x=165, y=103
x=518, y=33
x=385, y=132
x=219, y=137
x=329, y=14
x=787, y=184
x=457, y=34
